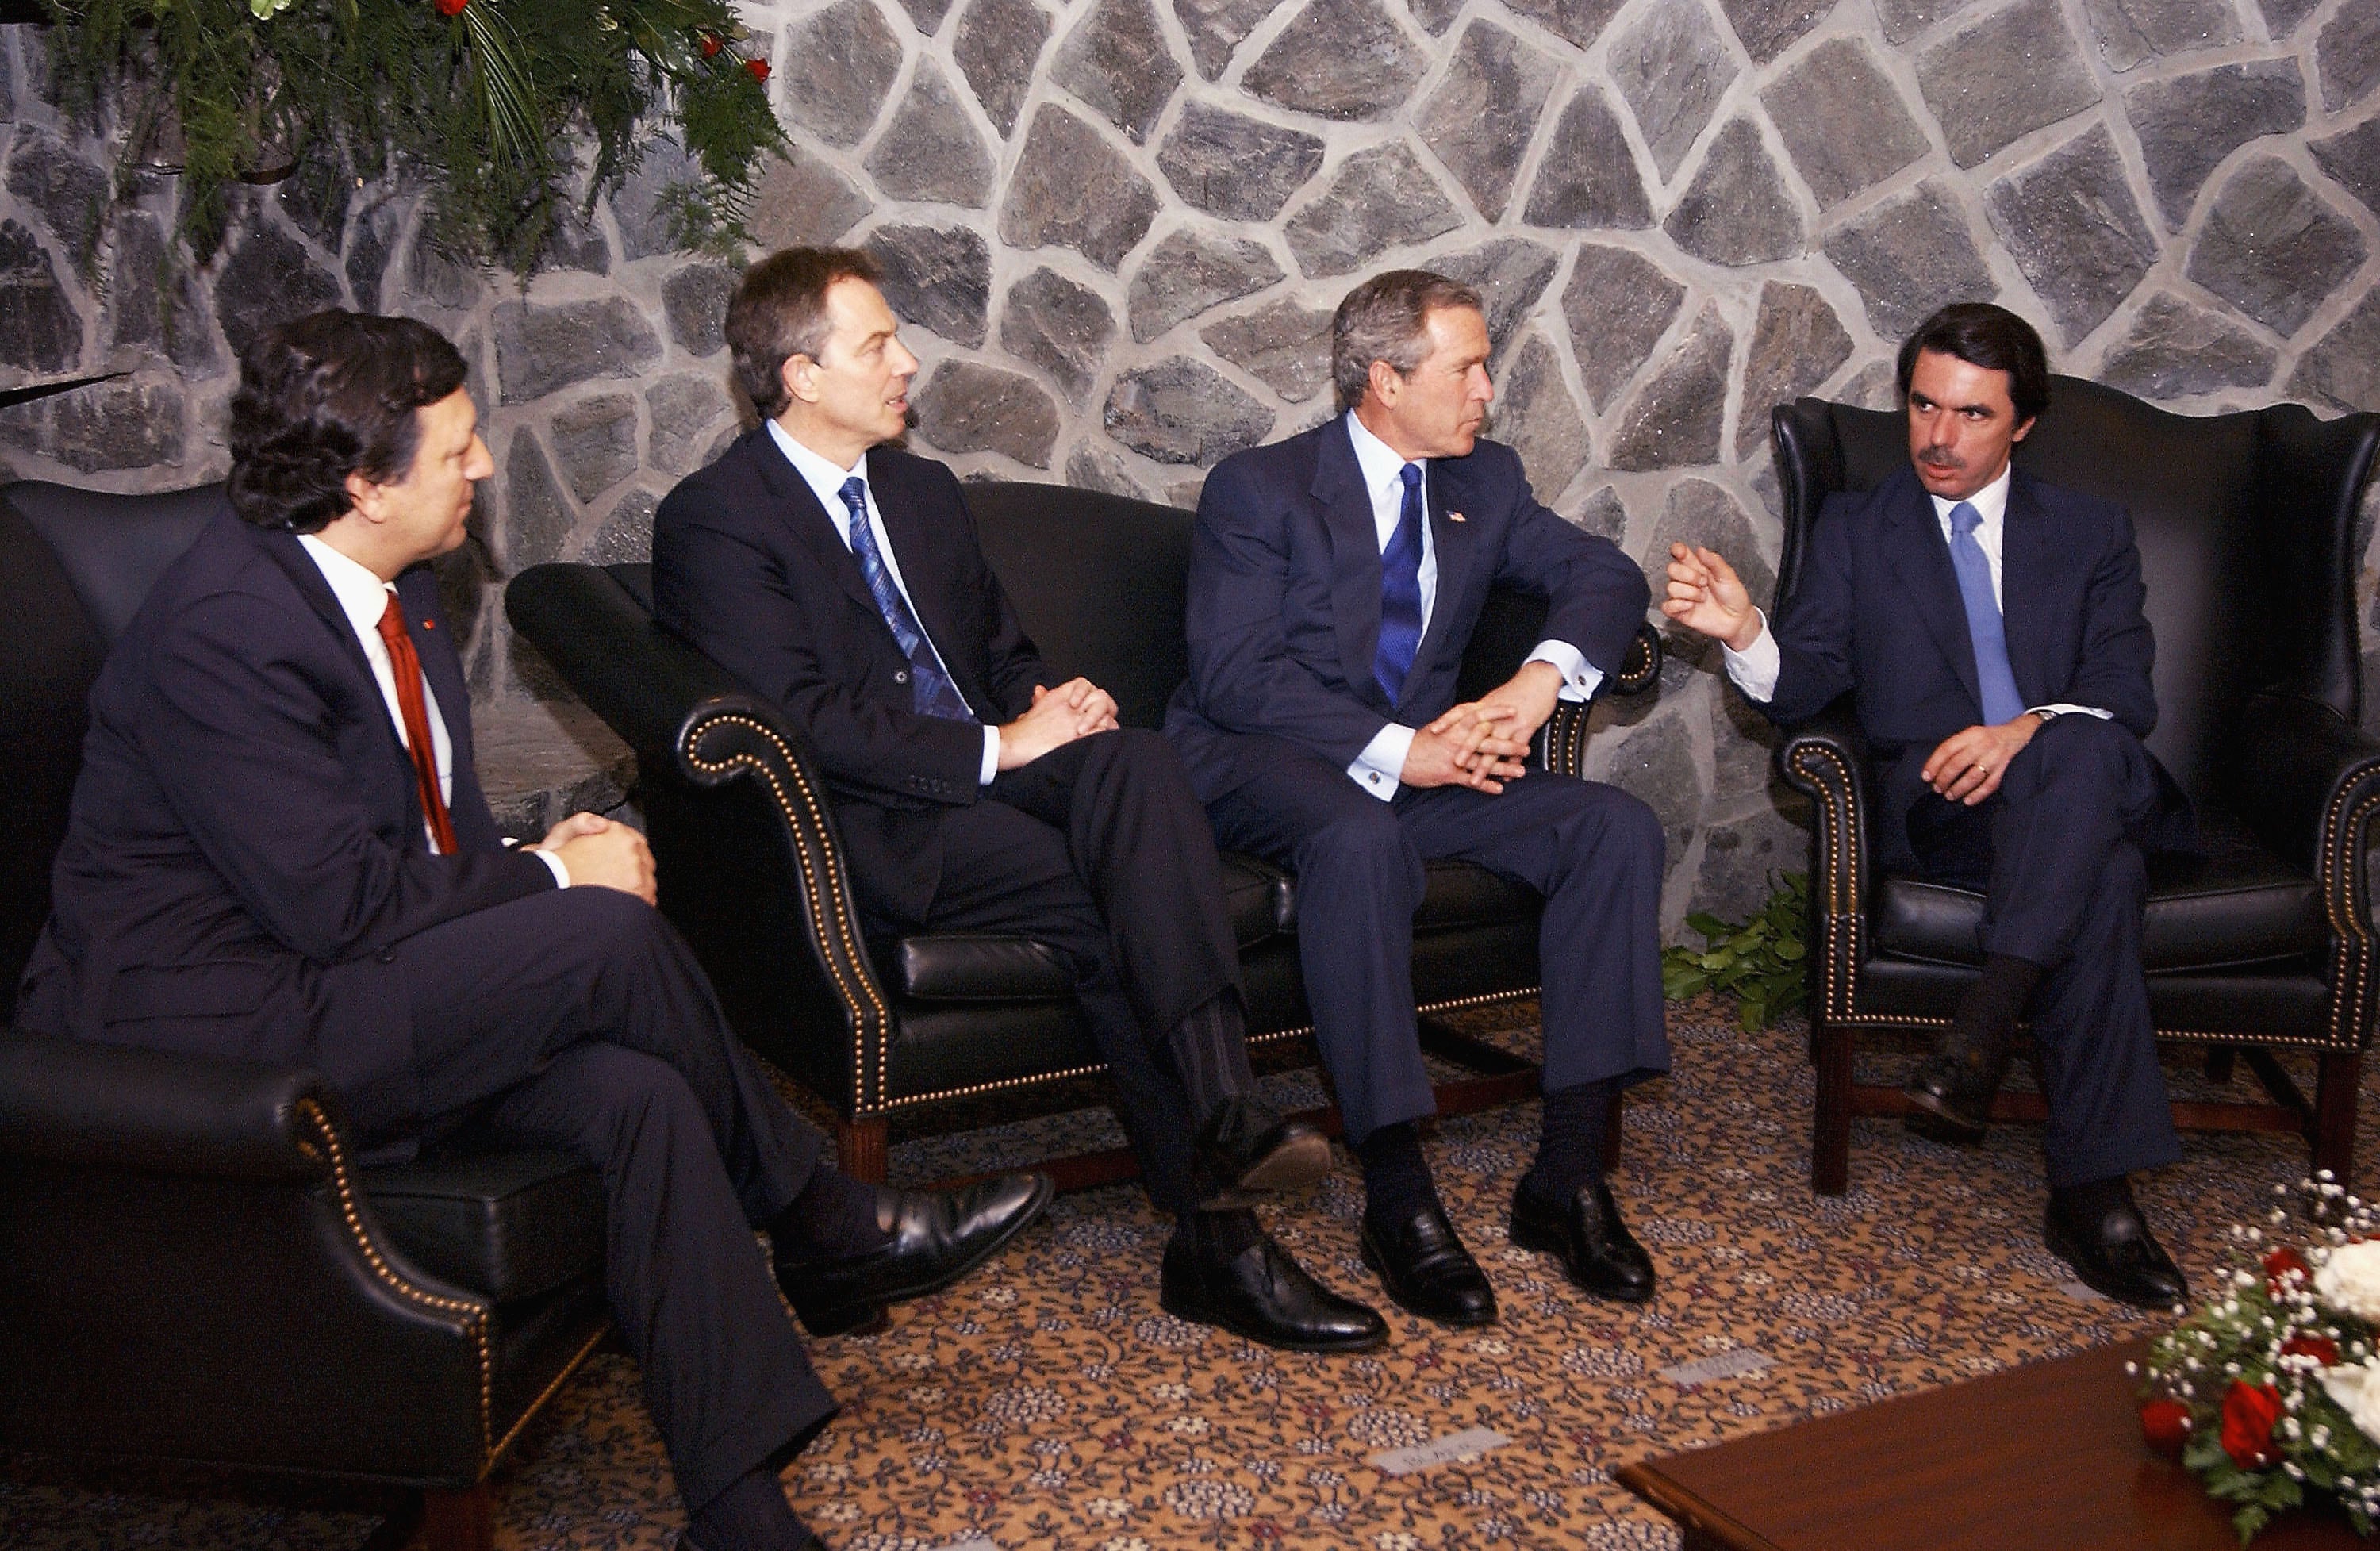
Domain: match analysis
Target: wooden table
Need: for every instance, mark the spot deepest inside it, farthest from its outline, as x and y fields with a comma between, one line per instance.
x=2046, y=1455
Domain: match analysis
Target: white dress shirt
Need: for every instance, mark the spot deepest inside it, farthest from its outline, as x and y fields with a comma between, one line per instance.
x=363, y=597
x=1754, y=669
x=825, y=481
x=1380, y=768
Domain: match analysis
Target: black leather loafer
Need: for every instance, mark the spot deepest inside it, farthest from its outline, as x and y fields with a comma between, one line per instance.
x=1265, y=1296
x=1596, y=1247
x=1950, y=1097
x=936, y=1237
x=2117, y=1255
x=1251, y=1150
x=1428, y=1271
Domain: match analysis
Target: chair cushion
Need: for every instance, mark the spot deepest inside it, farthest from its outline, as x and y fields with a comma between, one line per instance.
x=2238, y=904
x=507, y=1225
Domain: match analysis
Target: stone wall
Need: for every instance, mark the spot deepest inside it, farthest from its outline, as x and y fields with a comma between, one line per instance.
x=1116, y=228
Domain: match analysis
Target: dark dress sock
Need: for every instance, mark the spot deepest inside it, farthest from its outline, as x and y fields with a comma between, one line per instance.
x=833, y=1218
x=1570, y=1144
x=1987, y=1016
x=1397, y=1185
x=1219, y=1238
x=1211, y=1053
x=750, y=1515
x=2093, y=1199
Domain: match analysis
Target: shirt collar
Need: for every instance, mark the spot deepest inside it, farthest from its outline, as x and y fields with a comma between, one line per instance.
x=1379, y=461
x=1990, y=503
x=362, y=596
x=823, y=477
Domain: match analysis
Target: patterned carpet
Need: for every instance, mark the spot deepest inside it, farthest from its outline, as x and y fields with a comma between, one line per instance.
x=1048, y=1403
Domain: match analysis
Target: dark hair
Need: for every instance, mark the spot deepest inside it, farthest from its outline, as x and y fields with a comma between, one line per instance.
x=780, y=312
x=329, y=396
x=1992, y=337
x=1383, y=320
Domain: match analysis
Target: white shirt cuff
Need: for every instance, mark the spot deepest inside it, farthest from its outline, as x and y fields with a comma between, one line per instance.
x=1579, y=676
x=2075, y=711
x=990, y=755
x=1754, y=669
x=553, y=865
x=1380, y=768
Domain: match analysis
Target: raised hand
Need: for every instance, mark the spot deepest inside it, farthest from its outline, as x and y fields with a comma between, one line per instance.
x=1709, y=599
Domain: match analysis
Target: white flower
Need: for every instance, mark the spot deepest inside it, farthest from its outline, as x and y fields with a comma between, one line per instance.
x=2349, y=1279
x=2352, y=1386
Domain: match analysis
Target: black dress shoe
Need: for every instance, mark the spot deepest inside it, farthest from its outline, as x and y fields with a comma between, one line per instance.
x=1950, y=1097
x=1428, y=1271
x=1596, y=1247
x=1251, y=1149
x=2115, y=1255
x=1262, y=1295
x=934, y=1239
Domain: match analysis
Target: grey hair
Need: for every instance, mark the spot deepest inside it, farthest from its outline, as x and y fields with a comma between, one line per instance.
x=1383, y=320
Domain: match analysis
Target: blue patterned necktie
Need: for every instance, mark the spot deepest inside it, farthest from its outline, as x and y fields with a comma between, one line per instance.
x=1992, y=675
x=930, y=689
x=1401, y=592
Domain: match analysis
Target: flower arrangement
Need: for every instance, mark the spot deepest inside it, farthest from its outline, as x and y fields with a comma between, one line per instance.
x=2270, y=1392
x=481, y=99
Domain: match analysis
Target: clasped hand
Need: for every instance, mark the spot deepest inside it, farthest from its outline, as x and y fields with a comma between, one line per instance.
x=1483, y=744
x=602, y=850
x=1073, y=709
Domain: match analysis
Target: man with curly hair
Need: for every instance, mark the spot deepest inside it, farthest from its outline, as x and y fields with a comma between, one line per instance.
x=279, y=850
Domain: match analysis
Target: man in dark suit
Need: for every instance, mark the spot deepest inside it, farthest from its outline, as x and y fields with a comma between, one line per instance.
x=1988, y=627
x=840, y=576
x=279, y=850
x=1335, y=579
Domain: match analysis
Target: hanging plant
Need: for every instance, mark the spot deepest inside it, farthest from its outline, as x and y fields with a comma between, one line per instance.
x=483, y=101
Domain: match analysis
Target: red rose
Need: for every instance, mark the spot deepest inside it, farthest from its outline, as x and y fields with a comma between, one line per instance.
x=2322, y=1348
x=2249, y=1412
x=450, y=7
x=2165, y=1423
x=711, y=45
x=2283, y=1266
x=760, y=68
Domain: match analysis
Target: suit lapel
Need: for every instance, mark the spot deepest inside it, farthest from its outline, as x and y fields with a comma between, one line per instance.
x=2031, y=579
x=1346, y=509
x=813, y=526
x=1915, y=549
x=1450, y=546
x=918, y=549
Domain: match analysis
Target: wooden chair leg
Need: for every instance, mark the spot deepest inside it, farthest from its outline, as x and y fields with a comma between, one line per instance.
x=1830, y=1121
x=464, y=1521
x=859, y=1150
x=2339, y=1077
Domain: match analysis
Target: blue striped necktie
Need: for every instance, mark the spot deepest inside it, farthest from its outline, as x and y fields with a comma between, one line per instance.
x=930, y=689
x=1985, y=627
x=1401, y=592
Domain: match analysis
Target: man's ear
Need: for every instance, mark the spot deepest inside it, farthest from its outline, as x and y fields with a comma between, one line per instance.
x=363, y=495
x=799, y=375
x=1385, y=382
x=2021, y=431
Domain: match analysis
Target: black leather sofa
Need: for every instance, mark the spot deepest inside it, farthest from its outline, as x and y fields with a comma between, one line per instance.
x=743, y=827
x=2250, y=551
x=194, y=1267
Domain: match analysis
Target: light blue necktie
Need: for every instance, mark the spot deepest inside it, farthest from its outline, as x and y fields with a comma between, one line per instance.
x=1992, y=675
x=930, y=690
x=1401, y=592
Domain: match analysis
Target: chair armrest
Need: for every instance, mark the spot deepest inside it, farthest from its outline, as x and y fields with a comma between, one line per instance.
x=1827, y=761
x=641, y=680
x=76, y=1102
x=1564, y=745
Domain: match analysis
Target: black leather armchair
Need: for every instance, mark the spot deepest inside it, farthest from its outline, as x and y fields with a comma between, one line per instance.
x=743, y=827
x=2247, y=527
x=193, y=1264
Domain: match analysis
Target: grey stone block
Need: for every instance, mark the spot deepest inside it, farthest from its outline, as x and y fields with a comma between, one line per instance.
x=40, y=330
x=1536, y=416
x=71, y=192
x=1435, y=15
x=1908, y=256
x=1587, y=177
x=1217, y=28
x=936, y=278
x=1659, y=765
x=2187, y=125
x=801, y=201
x=966, y=407
x=1051, y=322
x=1284, y=346
x=2273, y=248
x=927, y=14
x=1672, y=67
x=153, y=300
x=432, y=276
x=1618, y=304
x=1675, y=420
x=1343, y=59
x=2131, y=32
x=2343, y=367
x=595, y=441
x=1742, y=740
x=1797, y=342
x=315, y=198
x=839, y=64
x=269, y=278
x=625, y=535
x=2281, y=17
x=930, y=151
x=1903, y=20
x=574, y=243
x=1736, y=210
x=2010, y=74
x=1241, y=169
x=1603, y=515
x=1183, y=411
x=1578, y=22
x=1697, y=512
x=1510, y=274
x=685, y=411
x=1116, y=60
x=1875, y=386
x=2070, y=223
x=1380, y=199
x=2175, y=350
x=1094, y=468
x=118, y=425
x=1190, y=272
x=2347, y=54
x=2353, y=158
x=1841, y=121
x=998, y=44
x=538, y=516
x=640, y=209
x=1483, y=113
x=694, y=300
x=369, y=252
x=1072, y=190
x=539, y=349
x=1743, y=859
x=1768, y=28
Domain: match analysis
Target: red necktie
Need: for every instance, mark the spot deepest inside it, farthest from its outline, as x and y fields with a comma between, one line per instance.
x=407, y=666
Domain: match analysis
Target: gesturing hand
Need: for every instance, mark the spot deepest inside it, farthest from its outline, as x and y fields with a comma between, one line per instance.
x=1970, y=765
x=1709, y=599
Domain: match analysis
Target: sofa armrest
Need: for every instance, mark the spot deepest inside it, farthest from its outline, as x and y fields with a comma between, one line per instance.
x=76, y=1102
x=1563, y=745
x=1827, y=761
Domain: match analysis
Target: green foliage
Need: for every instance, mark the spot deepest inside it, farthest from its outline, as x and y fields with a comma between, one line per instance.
x=1758, y=961
x=484, y=107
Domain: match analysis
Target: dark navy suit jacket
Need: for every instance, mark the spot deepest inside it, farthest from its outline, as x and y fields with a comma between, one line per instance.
x=1284, y=607
x=748, y=568
x=1876, y=614
x=246, y=844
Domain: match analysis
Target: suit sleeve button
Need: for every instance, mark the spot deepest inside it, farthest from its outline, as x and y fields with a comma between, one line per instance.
x=387, y=956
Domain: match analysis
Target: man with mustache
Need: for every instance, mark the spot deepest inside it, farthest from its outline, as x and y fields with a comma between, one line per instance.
x=1988, y=627
x=1335, y=579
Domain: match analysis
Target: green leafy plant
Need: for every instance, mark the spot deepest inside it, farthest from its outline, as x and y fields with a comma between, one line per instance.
x=483, y=101
x=1758, y=961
